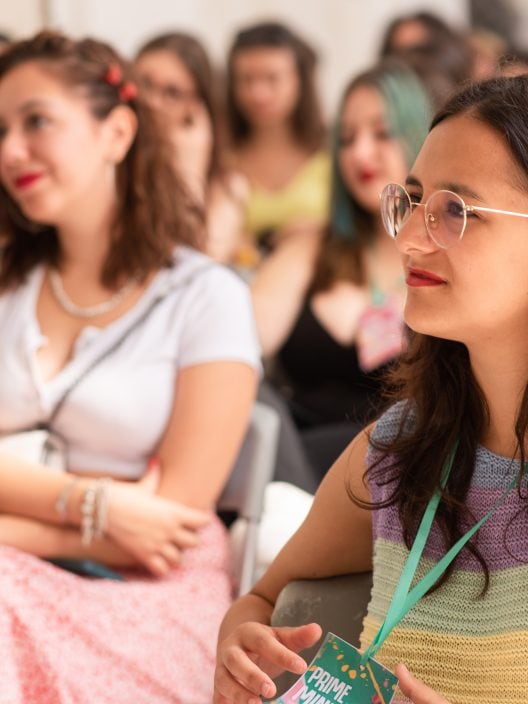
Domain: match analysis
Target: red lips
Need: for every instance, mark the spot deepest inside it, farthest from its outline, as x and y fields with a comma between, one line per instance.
x=367, y=176
x=25, y=180
x=421, y=277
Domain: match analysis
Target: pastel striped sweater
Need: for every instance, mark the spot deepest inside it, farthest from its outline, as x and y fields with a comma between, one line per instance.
x=469, y=648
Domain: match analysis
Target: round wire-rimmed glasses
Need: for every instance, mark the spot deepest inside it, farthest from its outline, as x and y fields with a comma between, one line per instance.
x=445, y=213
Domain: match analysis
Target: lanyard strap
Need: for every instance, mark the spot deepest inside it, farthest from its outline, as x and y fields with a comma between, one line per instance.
x=404, y=597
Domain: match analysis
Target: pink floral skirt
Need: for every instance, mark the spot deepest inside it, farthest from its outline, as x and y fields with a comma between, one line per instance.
x=66, y=639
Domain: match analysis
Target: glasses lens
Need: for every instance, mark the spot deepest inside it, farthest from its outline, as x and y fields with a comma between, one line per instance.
x=395, y=208
x=445, y=218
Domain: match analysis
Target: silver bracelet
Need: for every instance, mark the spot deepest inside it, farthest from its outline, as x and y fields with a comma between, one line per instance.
x=61, y=505
x=88, y=515
x=94, y=511
x=101, y=507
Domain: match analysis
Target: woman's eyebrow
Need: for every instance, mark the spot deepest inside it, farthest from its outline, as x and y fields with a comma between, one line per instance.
x=412, y=181
x=460, y=189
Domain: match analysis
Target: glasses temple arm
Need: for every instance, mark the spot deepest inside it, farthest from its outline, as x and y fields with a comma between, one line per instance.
x=471, y=208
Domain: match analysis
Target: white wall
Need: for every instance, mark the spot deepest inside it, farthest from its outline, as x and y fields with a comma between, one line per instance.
x=345, y=32
x=20, y=16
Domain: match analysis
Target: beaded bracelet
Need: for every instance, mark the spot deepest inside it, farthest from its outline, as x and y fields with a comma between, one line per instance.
x=101, y=507
x=94, y=511
x=88, y=515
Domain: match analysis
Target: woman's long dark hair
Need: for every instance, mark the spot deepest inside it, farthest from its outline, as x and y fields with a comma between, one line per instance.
x=443, y=402
x=193, y=55
x=154, y=213
x=307, y=121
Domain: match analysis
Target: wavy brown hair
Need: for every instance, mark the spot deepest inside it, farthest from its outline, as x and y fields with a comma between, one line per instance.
x=306, y=120
x=154, y=211
x=443, y=404
x=194, y=57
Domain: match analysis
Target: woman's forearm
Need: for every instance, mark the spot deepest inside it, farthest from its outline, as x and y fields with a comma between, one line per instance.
x=51, y=541
x=31, y=490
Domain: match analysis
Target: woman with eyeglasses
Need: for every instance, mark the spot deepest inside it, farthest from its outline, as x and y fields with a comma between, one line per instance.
x=329, y=303
x=179, y=82
x=432, y=497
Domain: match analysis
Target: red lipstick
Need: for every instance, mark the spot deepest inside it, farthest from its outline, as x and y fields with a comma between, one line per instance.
x=421, y=277
x=366, y=176
x=25, y=180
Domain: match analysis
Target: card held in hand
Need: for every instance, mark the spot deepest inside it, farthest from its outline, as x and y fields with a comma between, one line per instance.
x=336, y=676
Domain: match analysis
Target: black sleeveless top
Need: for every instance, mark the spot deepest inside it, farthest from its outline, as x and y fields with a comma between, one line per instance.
x=322, y=379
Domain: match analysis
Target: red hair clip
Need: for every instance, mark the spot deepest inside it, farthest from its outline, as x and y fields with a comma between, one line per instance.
x=113, y=75
x=128, y=91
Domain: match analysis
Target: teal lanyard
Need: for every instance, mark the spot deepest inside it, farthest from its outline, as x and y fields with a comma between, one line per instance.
x=404, y=597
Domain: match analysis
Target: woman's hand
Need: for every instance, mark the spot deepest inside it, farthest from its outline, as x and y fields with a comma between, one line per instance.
x=192, y=138
x=417, y=691
x=253, y=654
x=152, y=529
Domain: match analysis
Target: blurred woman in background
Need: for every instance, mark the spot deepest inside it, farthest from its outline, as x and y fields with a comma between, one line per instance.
x=277, y=131
x=329, y=304
x=428, y=35
x=178, y=80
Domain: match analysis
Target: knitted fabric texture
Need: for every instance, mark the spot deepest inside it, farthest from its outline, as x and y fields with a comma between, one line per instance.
x=468, y=647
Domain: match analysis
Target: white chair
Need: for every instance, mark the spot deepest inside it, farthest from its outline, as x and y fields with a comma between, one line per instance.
x=244, y=492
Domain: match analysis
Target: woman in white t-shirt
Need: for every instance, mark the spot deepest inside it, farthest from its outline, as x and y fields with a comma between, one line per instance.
x=133, y=346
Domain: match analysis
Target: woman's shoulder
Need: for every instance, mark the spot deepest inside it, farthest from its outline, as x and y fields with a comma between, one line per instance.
x=397, y=419
x=215, y=311
x=206, y=280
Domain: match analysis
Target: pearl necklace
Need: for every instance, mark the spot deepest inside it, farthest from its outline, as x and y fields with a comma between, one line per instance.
x=72, y=308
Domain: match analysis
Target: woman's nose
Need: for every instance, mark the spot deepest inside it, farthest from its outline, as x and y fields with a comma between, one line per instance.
x=413, y=236
x=361, y=150
x=13, y=149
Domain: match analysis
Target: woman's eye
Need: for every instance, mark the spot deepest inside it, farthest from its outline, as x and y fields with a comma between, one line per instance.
x=455, y=209
x=173, y=93
x=345, y=140
x=415, y=197
x=35, y=122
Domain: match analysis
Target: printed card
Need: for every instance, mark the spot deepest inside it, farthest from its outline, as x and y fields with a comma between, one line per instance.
x=336, y=676
x=380, y=335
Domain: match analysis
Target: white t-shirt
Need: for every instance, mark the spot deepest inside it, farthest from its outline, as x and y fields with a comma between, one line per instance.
x=117, y=415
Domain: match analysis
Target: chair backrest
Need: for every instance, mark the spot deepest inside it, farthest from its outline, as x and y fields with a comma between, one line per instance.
x=244, y=491
x=338, y=604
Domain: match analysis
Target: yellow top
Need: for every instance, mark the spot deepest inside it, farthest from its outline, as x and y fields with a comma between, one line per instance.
x=305, y=197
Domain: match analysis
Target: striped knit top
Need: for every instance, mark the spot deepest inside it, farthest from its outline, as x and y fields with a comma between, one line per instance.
x=469, y=648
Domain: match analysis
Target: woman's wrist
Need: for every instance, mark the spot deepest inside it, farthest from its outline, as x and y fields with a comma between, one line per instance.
x=72, y=500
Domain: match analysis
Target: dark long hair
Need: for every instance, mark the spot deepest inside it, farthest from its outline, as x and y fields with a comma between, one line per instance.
x=442, y=400
x=351, y=228
x=447, y=46
x=154, y=211
x=191, y=52
x=307, y=121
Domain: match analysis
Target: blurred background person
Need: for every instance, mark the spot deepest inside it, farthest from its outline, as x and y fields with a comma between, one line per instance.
x=426, y=33
x=276, y=131
x=487, y=49
x=179, y=82
x=329, y=304
x=5, y=40
x=514, y=63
